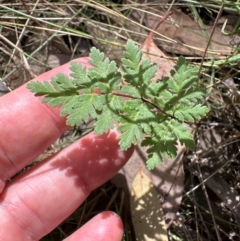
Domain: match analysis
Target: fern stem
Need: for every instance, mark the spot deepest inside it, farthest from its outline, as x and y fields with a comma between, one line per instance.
x=151, y=103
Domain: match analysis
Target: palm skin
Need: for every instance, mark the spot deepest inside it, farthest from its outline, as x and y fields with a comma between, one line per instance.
x=37, y=201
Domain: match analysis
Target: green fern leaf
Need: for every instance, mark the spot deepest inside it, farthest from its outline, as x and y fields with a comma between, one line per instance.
x=182, y=133
x=134, y=73
x=147, y=72
x=79, y=75
x=130, y=90
x=103, y=67
x=154, y=159
x=131, y=134
x=56, y=101
x=104, y=123
x=41, y=88
x=80, y=108
x=132, y=56
x=61, y=83
x=190, y=112
x=152, y=113
x=110, y=114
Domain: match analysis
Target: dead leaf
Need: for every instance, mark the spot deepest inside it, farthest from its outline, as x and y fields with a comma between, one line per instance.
x=181, y=34
x=223, y=190
x=156, y=56
x=167, y=178
x=187, y=36
x=146, y=210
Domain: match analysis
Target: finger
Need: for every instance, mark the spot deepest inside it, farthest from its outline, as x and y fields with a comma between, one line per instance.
x=37, y=201
x=27, y=127
x=106, y=226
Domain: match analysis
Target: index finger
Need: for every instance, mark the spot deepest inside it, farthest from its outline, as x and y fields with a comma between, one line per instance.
x=27, y=127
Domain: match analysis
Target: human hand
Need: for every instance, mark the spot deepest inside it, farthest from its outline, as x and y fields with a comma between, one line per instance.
x=37, y=201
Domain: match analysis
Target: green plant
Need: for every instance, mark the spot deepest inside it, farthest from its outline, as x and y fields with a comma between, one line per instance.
x=156, y=114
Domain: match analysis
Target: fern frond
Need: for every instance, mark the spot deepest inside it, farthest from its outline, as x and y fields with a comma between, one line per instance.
x=154, y=114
